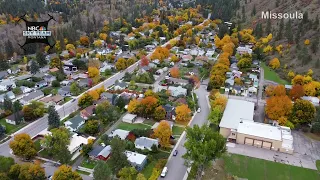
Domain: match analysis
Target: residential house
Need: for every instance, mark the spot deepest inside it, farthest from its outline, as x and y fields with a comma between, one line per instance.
x=93, y=154
x=314, y=100
x=49, y=78
x=74, y=123
x=13, y=70
x=41, y=84
x=39, y=75
x=76, y=143
x=230, y=81
x=108, y=96
x=181, y=82
x=244, y=50
x=105, y=153
x=186, y=58
x=10, y=95
x=145, y=143
x=11, y=119
x=105, y=67
x=66, y=82
x=170, y=111
x=136, y=160
x=35, y=95
x=120, y=85
x=181, y=101
x=7, y=85
x=87, y=82
x=122, y=134
x=129, y=118
x=87, y=112
x=25, y=89
x=64, y=91
x=23, y=77
x=52, y=100
x=234, y=67
x=70, y=68
x=44, y=69
x=3, y=74
x=177, y=91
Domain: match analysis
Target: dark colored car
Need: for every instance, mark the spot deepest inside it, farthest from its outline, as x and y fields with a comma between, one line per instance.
x=175, y=152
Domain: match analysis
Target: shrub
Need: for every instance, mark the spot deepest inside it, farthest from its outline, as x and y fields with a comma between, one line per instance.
x=55, y=83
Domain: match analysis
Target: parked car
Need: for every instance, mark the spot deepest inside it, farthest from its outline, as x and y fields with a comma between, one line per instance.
x=175, y=152
x=50, y=177
x=199, y=110
x=164, y=172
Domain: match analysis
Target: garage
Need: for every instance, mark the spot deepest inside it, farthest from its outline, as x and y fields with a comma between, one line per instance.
x=257, y=143
x=266, y=145
x=248, y=141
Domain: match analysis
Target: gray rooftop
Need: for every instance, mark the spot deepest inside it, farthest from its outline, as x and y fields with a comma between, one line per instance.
x=32, y=96
x=75, y=121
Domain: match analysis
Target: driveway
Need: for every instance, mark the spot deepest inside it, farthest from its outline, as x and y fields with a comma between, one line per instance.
x=306, y=152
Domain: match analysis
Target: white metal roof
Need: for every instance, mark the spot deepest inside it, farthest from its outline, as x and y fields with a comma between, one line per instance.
x=236, y=110
x=135, y=158
x=260, y=130
x=119, y=132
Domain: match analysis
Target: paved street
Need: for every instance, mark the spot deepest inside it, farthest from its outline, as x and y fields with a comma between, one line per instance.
x=176, y=167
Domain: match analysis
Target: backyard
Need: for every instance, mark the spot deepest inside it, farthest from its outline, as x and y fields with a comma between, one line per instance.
x=176, y=130
x=11, y=128
x=129, y=127
x=271, y=75
x=88, y=163
x=252, y=168
x=147, y=170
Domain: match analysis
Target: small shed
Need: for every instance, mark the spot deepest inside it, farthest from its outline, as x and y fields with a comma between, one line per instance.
x=129, y=118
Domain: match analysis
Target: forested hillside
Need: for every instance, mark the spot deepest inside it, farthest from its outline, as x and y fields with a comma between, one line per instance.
x=73, y=18
x=299, y=38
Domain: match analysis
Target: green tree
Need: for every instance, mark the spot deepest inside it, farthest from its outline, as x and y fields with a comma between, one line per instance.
x=118, y=159
x=107, y=113
x=33, y=111
x=85, y=100
x=53, y=118
x=303, y=112
x=315, y=44
x=268, y=27
x=17, y=107
x=128, y=173
x=159, y=113
x=254, y=11
x=215, y=115
x=280, y=30
x=23, y=146
x=65, y=172
x=91, y=127
x=41, y=59
x=203, y=145
x=3, y=176
x=6, y=163
x=7, y=103
x=120, y=102
x=34, y=67
x=57, y=144
x=102, y=171
x=140, y=177
x=316, y=122
x=27, y=171
x=289, y=33
x=75, y=89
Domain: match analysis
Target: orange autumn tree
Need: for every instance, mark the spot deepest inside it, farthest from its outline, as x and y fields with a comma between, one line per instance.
x=163, y=133
x=274, y=63
x=183, y=113
x=279, y=90
x=298, y=79
x=269, y=90
x=133, y=106
x=148, y=105
x=175, y=72
x=278, y=106
x=296, y=92
x=144, y=61
x=84, y=40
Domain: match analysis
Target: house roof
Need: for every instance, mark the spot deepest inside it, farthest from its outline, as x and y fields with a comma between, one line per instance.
x=259, y=130
x=3, y=74
x=56, y=98
x=95, y=151
x=135, y=158
x=10, y=94
x=168, y=108
x=77, y=140
x=42, y=82
x=12, y=117
x=22, y=77
x=235, y=111
x=181, y=101
x=105, y=151
x=119, y=132
x=88, y=111
x=177, y=90
x=121, y=84
x=32, y=96
x=65, y=88
x=75, y=121
x=146, y=142
x=107, y=95
x=7, y=82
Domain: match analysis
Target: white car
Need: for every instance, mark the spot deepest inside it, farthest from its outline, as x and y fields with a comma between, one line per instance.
x=199, y=110
x=164, y=172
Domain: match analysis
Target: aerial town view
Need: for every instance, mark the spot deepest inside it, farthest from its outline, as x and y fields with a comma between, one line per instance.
x=159, y=89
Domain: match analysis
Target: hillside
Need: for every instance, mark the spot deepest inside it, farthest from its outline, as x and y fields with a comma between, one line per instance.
x=73, y=18
x=290, y=33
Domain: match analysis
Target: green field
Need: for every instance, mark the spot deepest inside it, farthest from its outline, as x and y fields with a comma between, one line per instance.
x=129, y=127
x=88, y=163
x=258, y=169
x=271, y=75
x=11, y=128
x=176, y=130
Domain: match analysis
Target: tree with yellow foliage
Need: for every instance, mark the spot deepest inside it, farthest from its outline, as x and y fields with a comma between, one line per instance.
x=298, y=79
x=310, y=72
x=183, y=113
x=278, y=106
x=84, y=40
x=307, y=42
x=103, y=36
x=97, y=43
x=121, y=64
x=174, y=58
x=267, y=49
x=93, y=72
x=94, y=94
x=163, y=133
x=274, y=63
x=291, y=74
x=70, y=47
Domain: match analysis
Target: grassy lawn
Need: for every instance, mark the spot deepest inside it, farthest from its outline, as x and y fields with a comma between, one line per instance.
x=44, y=153
x=88, y=163
x=271, y=75
x=83, y=172
x=37, y=144
x=66, y=99
x=149, y=122
x=129, y=127
x=11, y=128
x=147, y=170
x=176, y=130
x=252, y=168
x=318, y=164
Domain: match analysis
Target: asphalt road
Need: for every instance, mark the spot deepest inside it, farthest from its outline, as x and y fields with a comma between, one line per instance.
x=176, y=168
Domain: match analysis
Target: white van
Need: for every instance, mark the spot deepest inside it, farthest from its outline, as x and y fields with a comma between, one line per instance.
x=164, y=172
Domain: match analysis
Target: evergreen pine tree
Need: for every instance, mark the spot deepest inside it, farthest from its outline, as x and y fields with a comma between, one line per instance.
x=289, y=34
x=7, y=103
x=316, y=125
x=268, y=28
x=316, y=23
x=317, y=65
x=41, y=59
x=4, y=65
x=9, y=49
x=280, y=31
x=53, y=118
x=34, y=67
x=17, y=107
x=243, y=14
x=254, y=11
x=277, y=3
x=315, y=44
